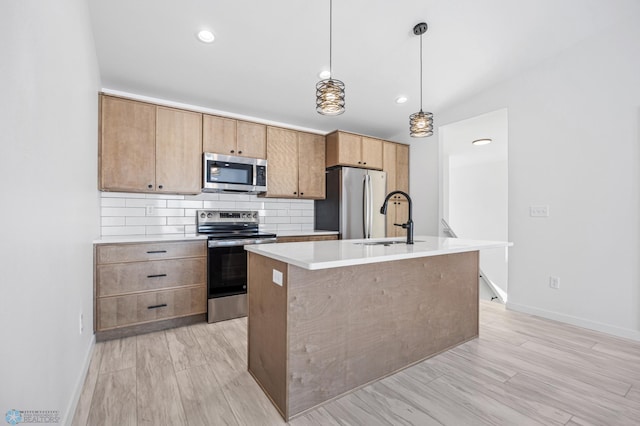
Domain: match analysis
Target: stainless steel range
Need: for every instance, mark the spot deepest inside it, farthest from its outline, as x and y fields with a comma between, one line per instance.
x=229, y=232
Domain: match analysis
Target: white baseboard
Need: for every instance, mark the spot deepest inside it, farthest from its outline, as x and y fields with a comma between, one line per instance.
x=580, y=322
x=67, y=419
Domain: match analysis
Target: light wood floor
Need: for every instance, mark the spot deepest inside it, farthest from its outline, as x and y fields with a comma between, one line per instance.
x=523, y=370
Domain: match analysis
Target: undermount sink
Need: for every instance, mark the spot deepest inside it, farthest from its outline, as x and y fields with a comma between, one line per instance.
x=383, y=243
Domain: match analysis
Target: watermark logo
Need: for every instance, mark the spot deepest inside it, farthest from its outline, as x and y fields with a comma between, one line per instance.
x=13, y=417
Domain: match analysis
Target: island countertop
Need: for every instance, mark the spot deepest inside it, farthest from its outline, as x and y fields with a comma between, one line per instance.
x=315, y=255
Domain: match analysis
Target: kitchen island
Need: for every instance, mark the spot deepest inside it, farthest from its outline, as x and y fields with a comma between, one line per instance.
x=328, y=317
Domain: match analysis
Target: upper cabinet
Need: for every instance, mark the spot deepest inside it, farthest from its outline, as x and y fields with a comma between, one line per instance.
x=296, y=164
x=348, y=149
x=396, y=164
x=233, y=137
x=149, y=148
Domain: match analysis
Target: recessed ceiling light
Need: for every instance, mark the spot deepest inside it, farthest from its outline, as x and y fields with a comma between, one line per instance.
x=206, y=36
x=481, y=141
x=324, y=74
x=401, y=99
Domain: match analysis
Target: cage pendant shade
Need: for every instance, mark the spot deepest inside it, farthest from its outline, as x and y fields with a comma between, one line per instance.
x=330, y=92
x=330, y=97
x=420, y=123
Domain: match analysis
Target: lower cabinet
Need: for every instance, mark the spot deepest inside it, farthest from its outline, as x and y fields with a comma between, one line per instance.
x=139, y=286
x=397, y=212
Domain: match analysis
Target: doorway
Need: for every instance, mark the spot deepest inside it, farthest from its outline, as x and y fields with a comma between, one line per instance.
x=474, y=191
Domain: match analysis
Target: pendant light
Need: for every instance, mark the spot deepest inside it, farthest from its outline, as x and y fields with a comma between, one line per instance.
x=330, y=92
x=420, y=123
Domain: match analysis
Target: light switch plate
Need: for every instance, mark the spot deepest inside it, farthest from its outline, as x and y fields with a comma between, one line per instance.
x=277, y=277
x=539, y=211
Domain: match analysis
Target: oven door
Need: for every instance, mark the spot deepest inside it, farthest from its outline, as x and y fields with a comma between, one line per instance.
x=227, y=270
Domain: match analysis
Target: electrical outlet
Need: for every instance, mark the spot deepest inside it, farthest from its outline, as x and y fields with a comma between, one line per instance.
x=539, y=211
x=149, y=210
x=277, y=277
x=554, y=282
x=81, y=323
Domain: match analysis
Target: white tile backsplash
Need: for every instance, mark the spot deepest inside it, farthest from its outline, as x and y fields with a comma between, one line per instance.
x=126, y=213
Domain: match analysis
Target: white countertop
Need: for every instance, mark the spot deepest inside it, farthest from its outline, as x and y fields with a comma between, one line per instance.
x=148, y=238
x=337, y=253
x=190, y=237
x=304, y=233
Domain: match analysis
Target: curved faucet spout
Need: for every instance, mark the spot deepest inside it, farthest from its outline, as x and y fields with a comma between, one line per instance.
x=409, y=225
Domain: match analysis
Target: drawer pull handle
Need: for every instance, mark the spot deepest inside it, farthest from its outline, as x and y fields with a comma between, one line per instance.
x=156, y=251
x=157, y=306
x=156, y=276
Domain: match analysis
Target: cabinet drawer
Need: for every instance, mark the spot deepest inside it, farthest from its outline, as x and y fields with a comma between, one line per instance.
x=114, y=253
x=133, y=309
x=119, y=278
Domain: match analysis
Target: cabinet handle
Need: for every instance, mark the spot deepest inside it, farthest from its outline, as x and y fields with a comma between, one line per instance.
x=232, y=151
x=295, y=193
x=156, y=251
x=156, y=276
x=359, y=162
x=302, y=193
x=364, y=162
x=239, y=152
x=162, y=305
x=159, y=186
x=149, y=186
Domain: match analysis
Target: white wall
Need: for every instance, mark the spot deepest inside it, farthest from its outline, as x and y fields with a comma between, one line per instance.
x=50, y=211
x=573, y=144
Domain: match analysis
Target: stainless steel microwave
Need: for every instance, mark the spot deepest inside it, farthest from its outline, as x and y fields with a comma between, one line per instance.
x=227, y=173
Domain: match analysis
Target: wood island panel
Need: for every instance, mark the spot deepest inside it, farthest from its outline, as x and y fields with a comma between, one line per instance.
x=346, y=327
x=267, y=328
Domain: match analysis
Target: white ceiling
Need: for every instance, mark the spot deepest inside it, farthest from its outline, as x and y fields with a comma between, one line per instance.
x=267, y=54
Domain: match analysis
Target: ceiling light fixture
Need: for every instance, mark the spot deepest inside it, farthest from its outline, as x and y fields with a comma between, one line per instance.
x=206, y=36
x=330, y=92
x=401, y=99
x=420, y=123
x=485, y=141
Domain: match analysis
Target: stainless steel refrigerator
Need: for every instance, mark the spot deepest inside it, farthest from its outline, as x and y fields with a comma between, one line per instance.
x=352, y=206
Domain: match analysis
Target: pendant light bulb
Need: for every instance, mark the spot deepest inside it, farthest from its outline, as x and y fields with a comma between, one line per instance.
x=420, y=123
x=330, y=92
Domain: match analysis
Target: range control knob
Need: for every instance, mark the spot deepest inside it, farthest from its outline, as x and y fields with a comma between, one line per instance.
x=255, y=215
x=209, y=215
x=203, y=215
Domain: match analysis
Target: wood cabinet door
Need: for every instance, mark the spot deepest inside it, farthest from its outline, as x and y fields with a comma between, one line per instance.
x=371, y=153
x=397, y=212
x=349, y=149
x=311, y=170
x=127, y=145
x=178, y=151
x=402, y=167
x=389, y=164
x=251, y=140
x=218, y=134
x=282, y=159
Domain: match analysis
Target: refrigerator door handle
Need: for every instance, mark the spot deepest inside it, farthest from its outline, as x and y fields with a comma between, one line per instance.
x=365, y=207
x=370, y=207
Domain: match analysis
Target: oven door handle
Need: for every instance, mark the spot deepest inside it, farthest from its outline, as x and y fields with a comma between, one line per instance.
x=242, y=242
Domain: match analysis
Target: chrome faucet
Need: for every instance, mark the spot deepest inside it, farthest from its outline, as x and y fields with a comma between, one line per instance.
x=409, y=225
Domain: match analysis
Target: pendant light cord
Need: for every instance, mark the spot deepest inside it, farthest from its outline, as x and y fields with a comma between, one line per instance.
x=330, y=37
x=420, y=72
